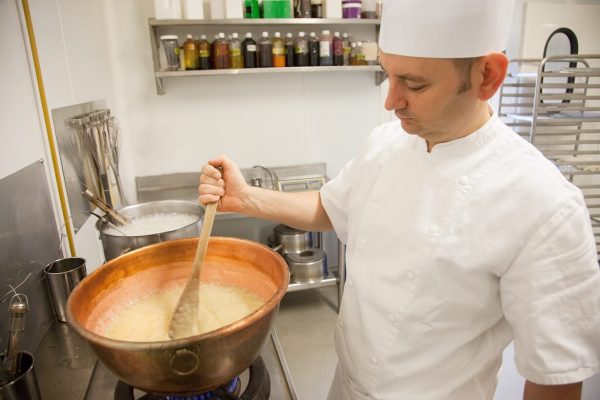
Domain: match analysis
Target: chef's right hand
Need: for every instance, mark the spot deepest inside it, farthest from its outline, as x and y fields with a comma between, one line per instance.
x=221, y=180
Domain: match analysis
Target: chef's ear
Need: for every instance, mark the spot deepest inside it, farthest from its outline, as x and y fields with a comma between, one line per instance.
x=492, y=69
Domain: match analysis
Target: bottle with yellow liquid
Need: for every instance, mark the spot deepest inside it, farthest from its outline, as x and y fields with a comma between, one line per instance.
x=235, y=52
x=190, y=53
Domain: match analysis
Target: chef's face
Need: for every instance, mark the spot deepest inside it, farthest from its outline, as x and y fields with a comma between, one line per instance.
x=429, y=97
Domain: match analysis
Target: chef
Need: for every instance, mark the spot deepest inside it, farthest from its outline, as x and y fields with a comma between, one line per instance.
x=461, y=237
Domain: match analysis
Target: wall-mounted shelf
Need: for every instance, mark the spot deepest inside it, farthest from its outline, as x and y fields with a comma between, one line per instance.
x=165, y=26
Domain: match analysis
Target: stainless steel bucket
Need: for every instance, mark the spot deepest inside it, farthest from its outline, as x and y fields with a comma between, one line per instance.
x=62, y=277
x=23, y=386
x=116, y=245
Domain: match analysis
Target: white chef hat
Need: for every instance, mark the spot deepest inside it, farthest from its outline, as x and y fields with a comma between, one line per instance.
x=445, y=28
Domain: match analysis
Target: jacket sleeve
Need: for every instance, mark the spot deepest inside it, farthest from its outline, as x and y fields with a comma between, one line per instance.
x=551, y=298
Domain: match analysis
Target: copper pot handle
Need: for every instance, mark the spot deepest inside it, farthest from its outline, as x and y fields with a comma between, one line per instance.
x=184, y=362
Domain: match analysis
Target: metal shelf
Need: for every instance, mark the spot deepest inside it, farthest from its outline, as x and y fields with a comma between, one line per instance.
x=262, y=21
x=156, y=25
x=330, y=280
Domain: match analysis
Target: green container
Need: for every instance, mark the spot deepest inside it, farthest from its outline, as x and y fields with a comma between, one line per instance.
x=251, y=9
x=270, y=9
x=277, y=9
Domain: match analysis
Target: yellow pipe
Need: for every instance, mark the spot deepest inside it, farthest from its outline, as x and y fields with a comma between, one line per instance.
x=49, y=132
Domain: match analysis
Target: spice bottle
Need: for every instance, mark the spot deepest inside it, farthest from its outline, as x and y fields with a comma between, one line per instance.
x=278, y=51
x=289, y=50
x=235, y=52
x=325, y=48
x=190, y=53
x=301, y=51
x=316, y=8
x=265, y=51
x=249, y=52
x=221, y=52
x=313, y=50
x=347, y=48
x=338, y=49
x=302, y=8
x=203, y=53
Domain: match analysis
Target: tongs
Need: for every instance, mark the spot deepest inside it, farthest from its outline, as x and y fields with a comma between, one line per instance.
x=95, y=200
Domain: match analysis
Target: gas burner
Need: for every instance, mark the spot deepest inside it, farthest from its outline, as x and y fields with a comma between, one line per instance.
x=257, y=387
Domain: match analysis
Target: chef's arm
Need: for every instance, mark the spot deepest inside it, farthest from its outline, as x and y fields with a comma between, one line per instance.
x=302, y=210
x=533, y=391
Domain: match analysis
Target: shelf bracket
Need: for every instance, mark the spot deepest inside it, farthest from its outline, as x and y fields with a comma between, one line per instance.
x=380, y=77
x=160, y=90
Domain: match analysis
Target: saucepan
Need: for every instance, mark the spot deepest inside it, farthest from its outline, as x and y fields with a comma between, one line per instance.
x=116, y=244
x=190, y=365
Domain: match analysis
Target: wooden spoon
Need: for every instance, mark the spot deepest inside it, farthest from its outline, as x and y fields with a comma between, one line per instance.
x=184, y=322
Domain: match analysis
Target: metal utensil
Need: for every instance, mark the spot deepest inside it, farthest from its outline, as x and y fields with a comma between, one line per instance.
x=184, y=322
x=95, y=200
x=15, y=337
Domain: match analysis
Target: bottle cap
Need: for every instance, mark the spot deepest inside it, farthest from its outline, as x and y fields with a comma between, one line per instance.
x=325, y=32
x=203, y=37
x=277, y=34
x=169, y=37
x=336, y=34
x=301, y=34
x=265, y=34
x=248, y=34
x=234, y=35
x=221, y=35
x=189, y=36
x=353, y=44
x=312, y=34
x=344, y=35
x=288, y=35
x=359, y=44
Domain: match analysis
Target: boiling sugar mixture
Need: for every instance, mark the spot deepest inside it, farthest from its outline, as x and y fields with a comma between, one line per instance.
x=152, y=224
x=148, y=318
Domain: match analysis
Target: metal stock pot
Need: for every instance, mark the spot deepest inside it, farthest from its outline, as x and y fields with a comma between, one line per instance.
x=116, y=245
x=190, y=365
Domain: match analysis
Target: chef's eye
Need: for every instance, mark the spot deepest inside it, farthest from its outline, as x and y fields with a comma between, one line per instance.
x=416, y=88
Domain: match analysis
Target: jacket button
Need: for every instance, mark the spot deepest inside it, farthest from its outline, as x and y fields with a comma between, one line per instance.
x=463, y=180
x=374, y=360
x=392, y=318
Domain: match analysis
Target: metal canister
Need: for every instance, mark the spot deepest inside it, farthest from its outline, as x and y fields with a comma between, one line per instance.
x=62, y=277
x=291, y=240
x=24, y=385
x=308, y=266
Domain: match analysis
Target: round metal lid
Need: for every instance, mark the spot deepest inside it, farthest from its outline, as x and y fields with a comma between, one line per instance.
x=287, y=230
x=307, y=256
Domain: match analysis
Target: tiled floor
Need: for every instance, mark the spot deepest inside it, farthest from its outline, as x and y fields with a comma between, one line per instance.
x=305, y=325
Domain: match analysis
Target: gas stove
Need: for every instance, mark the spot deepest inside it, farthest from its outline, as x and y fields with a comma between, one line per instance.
x=67, y=369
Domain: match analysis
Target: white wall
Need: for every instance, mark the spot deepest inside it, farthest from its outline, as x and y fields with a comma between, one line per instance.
x=21, y=132
x=277, y=119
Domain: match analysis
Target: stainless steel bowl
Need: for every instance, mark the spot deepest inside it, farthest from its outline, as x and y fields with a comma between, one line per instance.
x=116, y=245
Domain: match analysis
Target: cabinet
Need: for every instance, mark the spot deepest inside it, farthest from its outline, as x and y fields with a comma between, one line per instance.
x=361, y=29
x=555, y=104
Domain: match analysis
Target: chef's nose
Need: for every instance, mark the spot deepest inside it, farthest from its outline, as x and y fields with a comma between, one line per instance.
x=396, y=96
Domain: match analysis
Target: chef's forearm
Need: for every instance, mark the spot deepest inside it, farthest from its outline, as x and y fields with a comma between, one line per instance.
x=534, y=391
x=301, y=210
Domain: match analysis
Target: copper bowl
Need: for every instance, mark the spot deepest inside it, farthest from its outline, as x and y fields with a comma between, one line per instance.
x=190, y=365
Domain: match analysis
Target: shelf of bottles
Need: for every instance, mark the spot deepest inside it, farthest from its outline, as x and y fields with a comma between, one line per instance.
x=159, y=27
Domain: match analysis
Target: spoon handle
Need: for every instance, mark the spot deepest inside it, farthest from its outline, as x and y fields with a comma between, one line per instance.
x=207, y=224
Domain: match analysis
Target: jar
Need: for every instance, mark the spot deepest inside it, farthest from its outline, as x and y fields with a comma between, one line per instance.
x=171, y=51
x=351, y=9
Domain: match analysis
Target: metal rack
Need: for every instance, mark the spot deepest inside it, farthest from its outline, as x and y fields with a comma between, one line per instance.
x=555, y=104
x=159, y=27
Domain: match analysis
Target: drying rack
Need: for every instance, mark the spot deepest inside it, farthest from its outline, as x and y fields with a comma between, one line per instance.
x=555, y=104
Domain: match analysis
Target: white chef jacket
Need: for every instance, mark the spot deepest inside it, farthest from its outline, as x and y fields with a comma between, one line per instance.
x=452, y=254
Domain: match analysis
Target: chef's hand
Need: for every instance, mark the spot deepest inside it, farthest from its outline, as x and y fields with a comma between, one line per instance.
x=226, y=185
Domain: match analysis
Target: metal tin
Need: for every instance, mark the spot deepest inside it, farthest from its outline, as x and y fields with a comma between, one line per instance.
x=23, y=386
x=62, y=277
x=291, y=240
